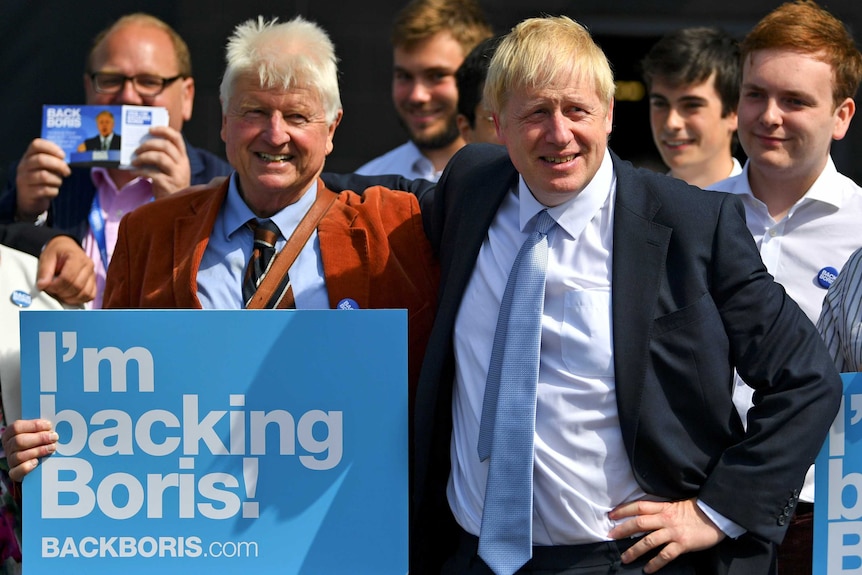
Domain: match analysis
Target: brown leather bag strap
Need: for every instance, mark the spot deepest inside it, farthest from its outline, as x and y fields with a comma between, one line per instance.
x=284, y=259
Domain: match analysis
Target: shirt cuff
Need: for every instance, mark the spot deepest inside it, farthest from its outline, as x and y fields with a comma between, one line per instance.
x=727, y=526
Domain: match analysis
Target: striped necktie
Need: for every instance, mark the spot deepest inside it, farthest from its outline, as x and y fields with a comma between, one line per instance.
x=266, y=233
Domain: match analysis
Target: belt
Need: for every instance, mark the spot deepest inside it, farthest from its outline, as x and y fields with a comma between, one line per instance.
x=556, y=556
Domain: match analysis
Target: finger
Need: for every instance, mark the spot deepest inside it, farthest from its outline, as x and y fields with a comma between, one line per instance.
x=634, y=508
x=165, y=141
x=667, y=554
x=43, y=146
x=26, y=426
x=638, y=526
x=39, y=182
x=23, y=462
x=46, y=269
x=50, y=159
x=76, y=285
x=18, y=472
x=22, y=442
x=154, y=163
x=158, y=146
x=41, y=449
x=78, y=292
x=171, y=135
x=647, y=543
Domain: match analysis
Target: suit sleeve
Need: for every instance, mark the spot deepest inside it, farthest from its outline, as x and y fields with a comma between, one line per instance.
x=26, y=237
x=777, y=351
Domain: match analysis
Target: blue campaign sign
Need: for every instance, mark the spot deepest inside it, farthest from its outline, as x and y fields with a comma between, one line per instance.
x=209, y=441
x=838, y=488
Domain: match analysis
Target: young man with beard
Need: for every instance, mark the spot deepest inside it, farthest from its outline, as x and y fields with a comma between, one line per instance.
x=431, y=38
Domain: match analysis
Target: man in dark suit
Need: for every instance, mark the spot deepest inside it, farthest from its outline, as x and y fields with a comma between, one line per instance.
x=107, y=139
x=653, y=294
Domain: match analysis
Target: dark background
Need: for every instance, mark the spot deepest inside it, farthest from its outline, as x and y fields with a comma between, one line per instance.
x=44, y=44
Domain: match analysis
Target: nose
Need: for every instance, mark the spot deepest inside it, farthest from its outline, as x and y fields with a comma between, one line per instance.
x=276, y=131
x=557, y=129
x=771, y=114
x=128, y=94
x=419, y=92
x=673, y=122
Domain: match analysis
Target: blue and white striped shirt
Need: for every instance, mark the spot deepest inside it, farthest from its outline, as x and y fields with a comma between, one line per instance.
x=840, y=321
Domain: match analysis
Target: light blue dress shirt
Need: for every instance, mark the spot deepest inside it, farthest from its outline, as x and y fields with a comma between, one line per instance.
x=219, y=279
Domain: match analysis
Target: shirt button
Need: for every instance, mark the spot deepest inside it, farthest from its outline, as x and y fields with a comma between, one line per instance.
x=772, y=233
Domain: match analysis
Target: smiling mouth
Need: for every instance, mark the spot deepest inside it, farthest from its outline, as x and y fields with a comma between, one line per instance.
x=768, y=138
x=558, y=159
x=676, y=143
x=273, y=157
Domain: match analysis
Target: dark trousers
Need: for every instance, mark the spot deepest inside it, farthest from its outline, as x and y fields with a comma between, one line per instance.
x=589, y=559
x=795, y=554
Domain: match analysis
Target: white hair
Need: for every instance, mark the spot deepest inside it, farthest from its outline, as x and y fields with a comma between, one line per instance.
x=288, y=54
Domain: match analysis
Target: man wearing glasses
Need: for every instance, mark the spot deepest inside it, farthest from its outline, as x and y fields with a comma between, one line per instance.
x=138, y=60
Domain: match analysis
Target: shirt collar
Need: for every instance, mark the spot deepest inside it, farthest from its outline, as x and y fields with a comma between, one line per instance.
x=574, y=214
x=102, y=179
x=422, y=165
x=822, y=190
x=237, y=212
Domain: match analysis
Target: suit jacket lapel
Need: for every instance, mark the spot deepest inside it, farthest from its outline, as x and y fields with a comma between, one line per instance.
x=191, y=235
x=639, y=255
x=480, y=199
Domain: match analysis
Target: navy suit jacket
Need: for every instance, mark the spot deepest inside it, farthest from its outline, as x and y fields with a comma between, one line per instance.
x=26, y=237
x=691, y=301
x=70, y=210
x=95, y=143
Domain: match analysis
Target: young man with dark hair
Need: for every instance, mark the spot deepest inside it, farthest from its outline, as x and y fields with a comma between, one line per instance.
x=692, y=77
x=475, y=122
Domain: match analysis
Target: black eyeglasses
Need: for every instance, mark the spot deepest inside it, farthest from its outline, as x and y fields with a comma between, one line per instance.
x=146, y=85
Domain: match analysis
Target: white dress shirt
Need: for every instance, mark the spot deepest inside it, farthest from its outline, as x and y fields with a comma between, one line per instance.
x=405, y=160
x=820, y=231
x=581, y=468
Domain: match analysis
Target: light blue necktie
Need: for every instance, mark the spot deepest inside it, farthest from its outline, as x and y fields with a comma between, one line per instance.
x=509, y=409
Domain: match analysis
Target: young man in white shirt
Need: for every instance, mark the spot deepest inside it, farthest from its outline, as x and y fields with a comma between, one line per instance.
x=800, y=71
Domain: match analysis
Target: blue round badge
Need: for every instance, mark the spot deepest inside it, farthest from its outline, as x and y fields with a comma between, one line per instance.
x=347, y=303
x=827, y=276
x=21, y=298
